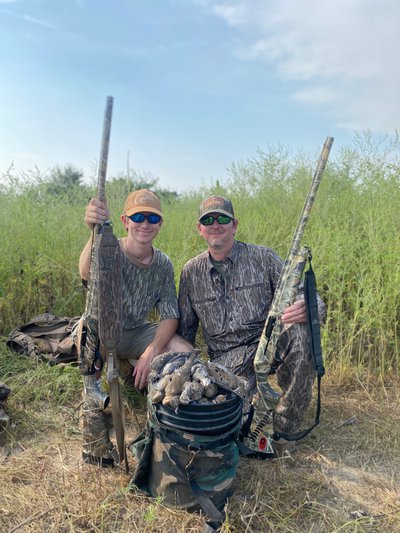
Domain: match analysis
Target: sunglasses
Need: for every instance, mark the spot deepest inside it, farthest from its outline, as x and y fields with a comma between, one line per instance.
x=140, y=217
x=209, y=220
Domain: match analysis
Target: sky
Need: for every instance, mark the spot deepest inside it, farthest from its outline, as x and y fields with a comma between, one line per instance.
x=197, y=84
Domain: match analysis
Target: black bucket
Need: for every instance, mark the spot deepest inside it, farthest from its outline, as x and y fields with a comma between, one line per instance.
x=202, y=419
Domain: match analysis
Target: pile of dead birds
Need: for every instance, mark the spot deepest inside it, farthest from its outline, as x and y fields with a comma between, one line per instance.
x=180, y=378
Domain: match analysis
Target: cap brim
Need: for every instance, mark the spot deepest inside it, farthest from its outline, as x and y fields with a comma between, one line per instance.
x=142, y=209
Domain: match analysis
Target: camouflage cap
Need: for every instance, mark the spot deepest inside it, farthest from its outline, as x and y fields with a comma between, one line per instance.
x=216, y=204
x=142, y=200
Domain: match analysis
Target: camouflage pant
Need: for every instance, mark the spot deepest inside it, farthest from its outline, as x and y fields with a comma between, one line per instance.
x=131, y=346
x=295, y=376
x=95, y=420
x=96, y=424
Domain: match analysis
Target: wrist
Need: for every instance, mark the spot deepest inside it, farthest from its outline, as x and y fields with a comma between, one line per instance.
x=150, y=353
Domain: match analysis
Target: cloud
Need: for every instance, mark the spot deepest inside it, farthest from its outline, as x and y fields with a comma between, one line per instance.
x=39, y=22
x=343, y=52
x=27, y=18
x=234, y=15
x=316, y=95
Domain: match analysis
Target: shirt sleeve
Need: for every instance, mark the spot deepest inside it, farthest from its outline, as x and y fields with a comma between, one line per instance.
x=167, y=305
x=189, y=321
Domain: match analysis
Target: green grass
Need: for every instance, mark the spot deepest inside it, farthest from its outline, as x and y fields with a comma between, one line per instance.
x=34, y=386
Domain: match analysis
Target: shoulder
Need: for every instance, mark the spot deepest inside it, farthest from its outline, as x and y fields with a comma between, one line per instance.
x=161, y=259
x=197, y=262
x=254, y=252
x=161, y=256
x=254, y=249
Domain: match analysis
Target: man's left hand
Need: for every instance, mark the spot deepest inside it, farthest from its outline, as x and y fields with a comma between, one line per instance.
x=142, y=369
x=295, y=314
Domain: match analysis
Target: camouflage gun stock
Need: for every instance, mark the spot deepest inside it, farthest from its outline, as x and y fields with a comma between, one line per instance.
x=267, y=359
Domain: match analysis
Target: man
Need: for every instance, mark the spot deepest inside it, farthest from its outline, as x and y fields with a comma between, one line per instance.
x=228, y=290
x=147, y=284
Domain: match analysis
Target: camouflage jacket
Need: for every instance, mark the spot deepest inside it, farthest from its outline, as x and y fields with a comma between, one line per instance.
x=232, y=308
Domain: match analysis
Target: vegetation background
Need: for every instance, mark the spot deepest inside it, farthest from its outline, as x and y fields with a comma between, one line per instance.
x=353, y=232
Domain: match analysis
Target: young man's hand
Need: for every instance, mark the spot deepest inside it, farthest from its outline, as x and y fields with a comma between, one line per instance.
x=96, y=213
x=142, y=369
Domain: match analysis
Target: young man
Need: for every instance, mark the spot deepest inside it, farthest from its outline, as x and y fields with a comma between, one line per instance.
x=147, y=283
x=228, y=290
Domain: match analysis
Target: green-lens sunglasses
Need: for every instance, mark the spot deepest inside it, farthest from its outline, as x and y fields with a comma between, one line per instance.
x=209, y=220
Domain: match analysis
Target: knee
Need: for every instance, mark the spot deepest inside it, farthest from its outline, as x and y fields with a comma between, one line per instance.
x=126, y=372
x=294, y=339
x=178, y=344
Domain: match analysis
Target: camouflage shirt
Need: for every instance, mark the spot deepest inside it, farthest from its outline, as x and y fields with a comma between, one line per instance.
x=231, y=308
x=146, y=287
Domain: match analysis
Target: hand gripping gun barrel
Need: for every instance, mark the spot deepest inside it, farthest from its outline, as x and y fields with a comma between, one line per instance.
x=102, y=317
x=259, y=434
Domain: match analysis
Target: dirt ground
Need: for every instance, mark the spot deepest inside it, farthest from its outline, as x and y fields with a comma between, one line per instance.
x=344, y=477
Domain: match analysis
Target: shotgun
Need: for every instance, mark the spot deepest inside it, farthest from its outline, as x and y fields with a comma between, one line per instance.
x=102, y=319
x=267, y=359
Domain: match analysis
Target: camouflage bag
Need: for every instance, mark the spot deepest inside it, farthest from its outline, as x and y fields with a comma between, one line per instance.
x=46, y=336
x=189, y=470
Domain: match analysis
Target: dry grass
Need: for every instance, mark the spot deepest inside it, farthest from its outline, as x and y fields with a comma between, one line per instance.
x=344, y=477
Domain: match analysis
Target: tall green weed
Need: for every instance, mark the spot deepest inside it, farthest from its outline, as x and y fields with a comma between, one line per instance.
x=353, y=232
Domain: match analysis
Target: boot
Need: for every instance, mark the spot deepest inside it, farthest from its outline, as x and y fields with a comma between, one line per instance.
x=97, y=447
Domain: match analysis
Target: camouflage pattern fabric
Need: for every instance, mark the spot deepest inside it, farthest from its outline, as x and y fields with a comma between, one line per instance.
x=232, y=309
x=96, y=424
x=164, y=454
x=88, y=345
x=46, y=336
x=146, y=287
x=295, y=376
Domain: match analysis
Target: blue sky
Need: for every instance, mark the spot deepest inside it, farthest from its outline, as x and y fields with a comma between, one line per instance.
x=197, y=84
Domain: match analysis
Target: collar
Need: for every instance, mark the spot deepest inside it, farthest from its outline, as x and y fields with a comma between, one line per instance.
x=132, y=258
x=232, y=256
